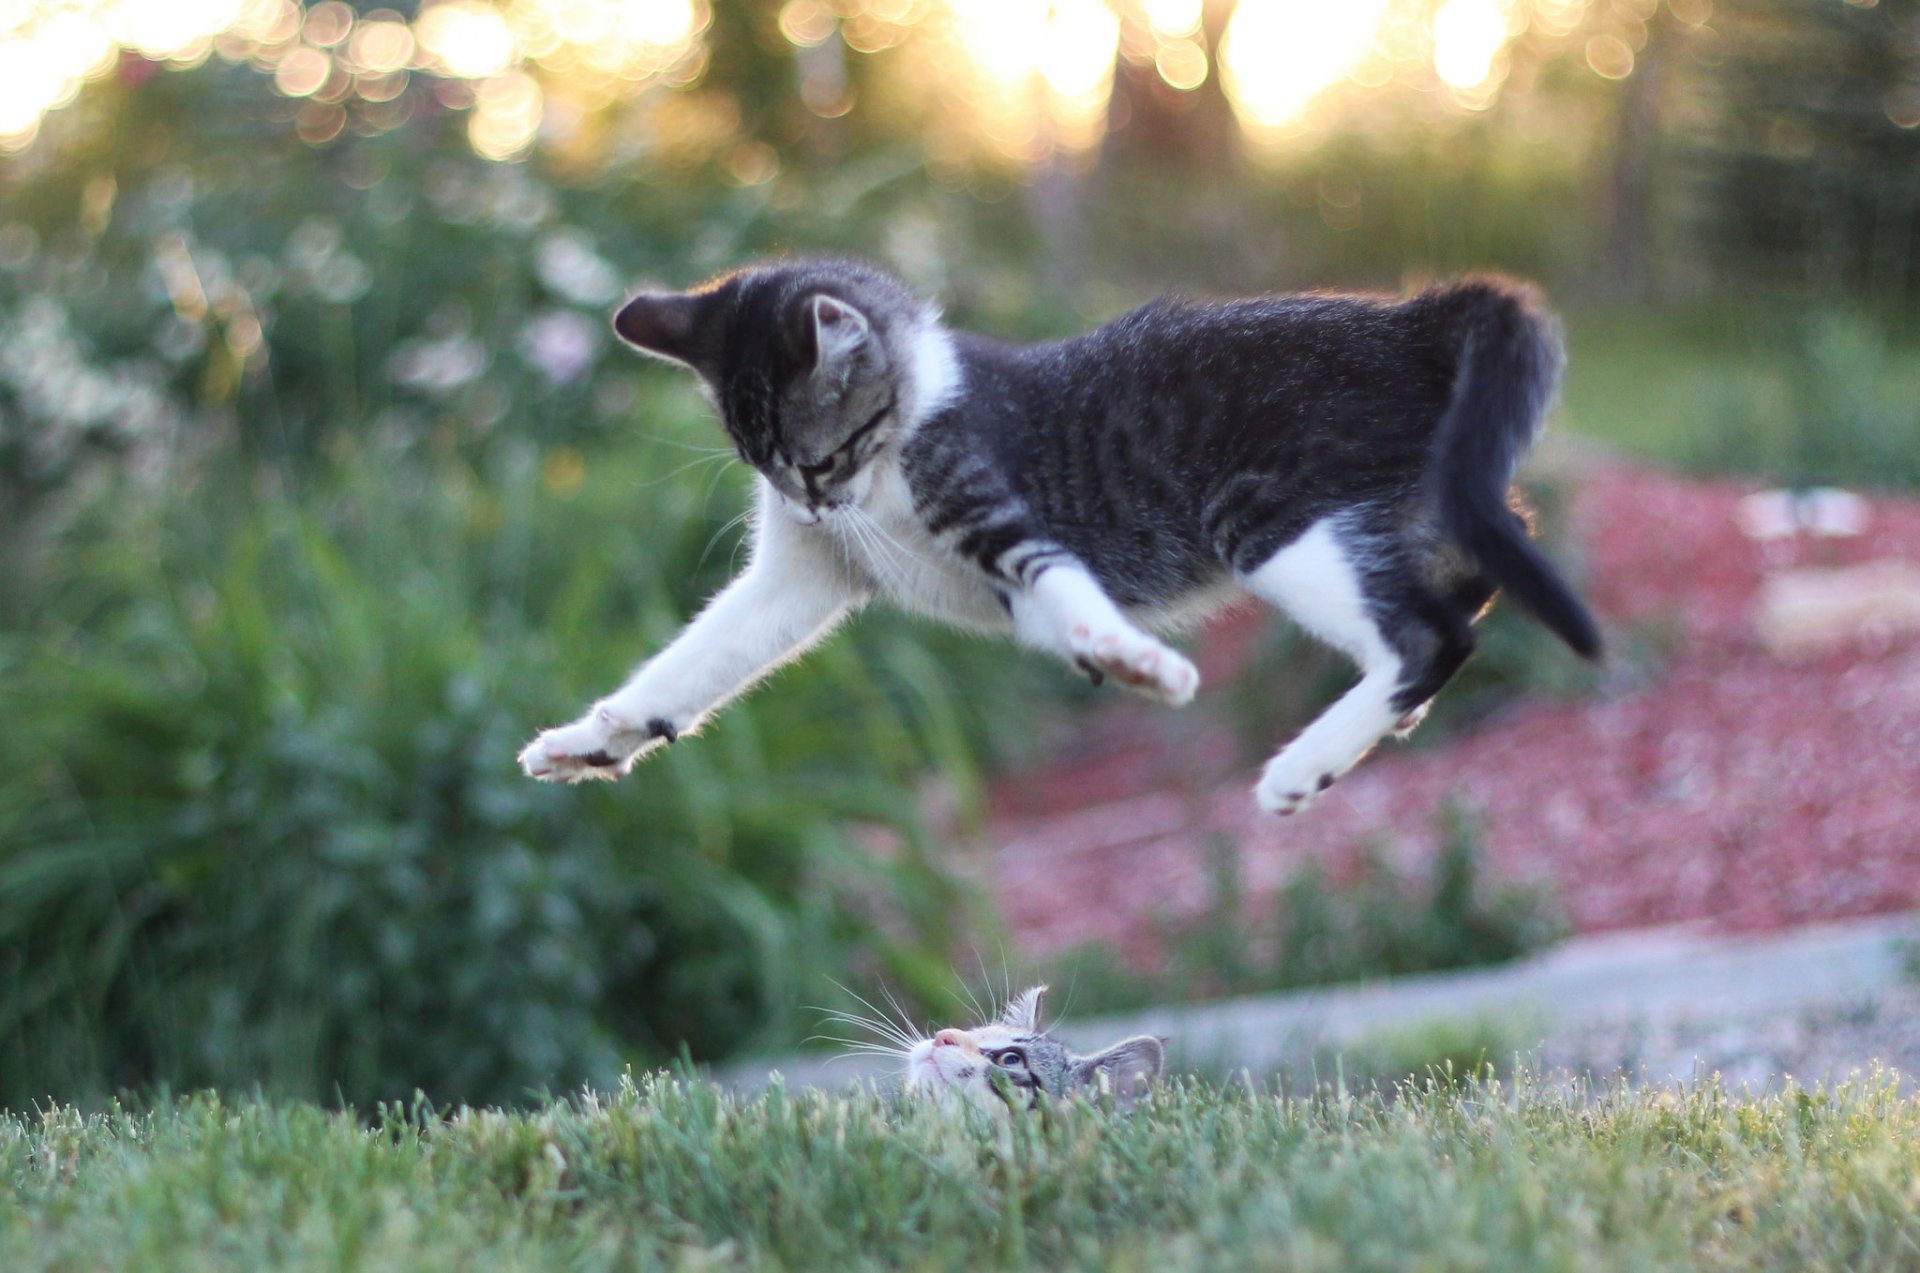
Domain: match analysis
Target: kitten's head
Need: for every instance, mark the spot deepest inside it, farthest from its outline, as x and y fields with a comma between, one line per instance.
x=816, y=367
x=1013, y=1059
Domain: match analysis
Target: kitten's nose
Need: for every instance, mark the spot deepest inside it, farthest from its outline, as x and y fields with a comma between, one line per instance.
x=948, y=1038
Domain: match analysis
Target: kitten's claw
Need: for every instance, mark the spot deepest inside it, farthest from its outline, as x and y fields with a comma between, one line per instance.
x=1137, y=661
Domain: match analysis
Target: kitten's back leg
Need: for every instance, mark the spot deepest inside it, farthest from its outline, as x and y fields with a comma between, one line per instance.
x=1361, y=595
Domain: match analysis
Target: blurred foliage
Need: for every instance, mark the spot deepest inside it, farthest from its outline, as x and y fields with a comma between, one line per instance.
x=1807, y=174
x=318, y=503
x=260, y=821
x=1384, y=921
x=1387, y=923
x=322, y=484
x=1834, y=407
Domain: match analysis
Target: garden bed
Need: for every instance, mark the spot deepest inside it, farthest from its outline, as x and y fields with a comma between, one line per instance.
x=1736, y=785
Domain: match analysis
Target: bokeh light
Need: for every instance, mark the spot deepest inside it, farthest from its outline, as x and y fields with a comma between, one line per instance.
x=1278, y=55
x=1038, y=75
x=1467, y=38
x=1033, y=79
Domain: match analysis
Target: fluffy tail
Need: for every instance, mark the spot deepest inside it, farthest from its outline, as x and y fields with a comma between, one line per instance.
x=1510, y=364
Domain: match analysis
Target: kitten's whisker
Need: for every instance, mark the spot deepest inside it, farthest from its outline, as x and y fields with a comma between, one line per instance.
x=888, y=535
x=898, y=1011
x=886, y=551
x=852, y=1046
x=986, y=983
x=877, y=557
x=686, y=446
x=973, y=1004
x=871, y=1007
x=881, y=1029
x=848, y=1050
x=885, y=1029
x=876, y=1024
x=713, y=539
x=668, y=476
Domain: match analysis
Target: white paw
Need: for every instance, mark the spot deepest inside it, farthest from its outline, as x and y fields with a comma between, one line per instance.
x=1292, y=779
x=599, y=745
x=1135, y=660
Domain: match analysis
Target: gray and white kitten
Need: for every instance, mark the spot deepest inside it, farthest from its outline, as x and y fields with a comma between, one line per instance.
x=1014, y=1060
x=1343, y=458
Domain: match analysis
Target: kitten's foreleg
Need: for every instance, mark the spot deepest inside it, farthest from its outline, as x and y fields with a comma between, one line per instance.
x=1064, y=610
x=791, y=594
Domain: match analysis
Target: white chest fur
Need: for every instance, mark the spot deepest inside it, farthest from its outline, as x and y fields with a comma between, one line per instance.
x=884, y=540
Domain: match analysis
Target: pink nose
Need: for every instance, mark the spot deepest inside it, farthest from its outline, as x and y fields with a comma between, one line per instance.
x=948, y=1039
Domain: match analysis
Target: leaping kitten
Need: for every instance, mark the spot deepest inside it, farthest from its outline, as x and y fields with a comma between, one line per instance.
x=1344, y=458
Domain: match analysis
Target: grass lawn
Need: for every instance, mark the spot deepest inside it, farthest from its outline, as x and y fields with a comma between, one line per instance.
x=669, y=1174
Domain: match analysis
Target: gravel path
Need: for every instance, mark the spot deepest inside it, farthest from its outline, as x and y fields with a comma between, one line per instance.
x=1746, y=789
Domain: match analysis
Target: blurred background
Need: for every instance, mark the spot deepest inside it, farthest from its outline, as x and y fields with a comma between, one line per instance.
x=322, y=486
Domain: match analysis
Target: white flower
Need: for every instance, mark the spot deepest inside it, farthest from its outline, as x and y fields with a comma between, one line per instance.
x=439, y=366
x=561, y=343
x=572, y=270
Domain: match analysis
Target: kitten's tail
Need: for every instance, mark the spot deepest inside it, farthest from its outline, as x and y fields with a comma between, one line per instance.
x=1510, y=365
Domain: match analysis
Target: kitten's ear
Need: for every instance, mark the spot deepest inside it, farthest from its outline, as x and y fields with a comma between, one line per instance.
x=1023, y=1010
x=1127, y=1066
x=668, y=325
x=825, y=331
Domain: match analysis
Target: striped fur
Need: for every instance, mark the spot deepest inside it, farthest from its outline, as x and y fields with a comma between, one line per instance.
x=1346, y=458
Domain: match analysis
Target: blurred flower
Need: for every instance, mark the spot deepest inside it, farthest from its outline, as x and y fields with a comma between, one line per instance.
x=561, y=343
x=319, y=261
x=64, y=401
x=570, y=268
x=439, y=365
x=18, y=245
x=502, y=196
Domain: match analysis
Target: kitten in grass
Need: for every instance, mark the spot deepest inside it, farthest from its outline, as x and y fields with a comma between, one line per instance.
x=1013, y=1059
x=1343, y=458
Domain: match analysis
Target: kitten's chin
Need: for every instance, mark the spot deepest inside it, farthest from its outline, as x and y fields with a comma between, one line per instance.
x=922, y=1069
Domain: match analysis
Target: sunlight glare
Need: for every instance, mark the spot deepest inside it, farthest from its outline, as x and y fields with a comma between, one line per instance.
x=1278, y=55
x=168, y=28
x=471, y=40
x=1060, y=53
x=27, y=82
x=1467, y=36
x=507, y=110
x=1173, y=17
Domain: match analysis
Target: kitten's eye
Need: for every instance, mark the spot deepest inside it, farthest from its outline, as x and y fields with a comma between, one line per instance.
x=1011, y=1058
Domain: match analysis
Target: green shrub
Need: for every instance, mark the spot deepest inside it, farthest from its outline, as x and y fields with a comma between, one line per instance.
x=1383, y=923
x=260, y=819
x=278, y=615
x=1833, y=406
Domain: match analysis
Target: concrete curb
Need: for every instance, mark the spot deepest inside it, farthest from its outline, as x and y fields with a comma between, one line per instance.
x=1653, y=977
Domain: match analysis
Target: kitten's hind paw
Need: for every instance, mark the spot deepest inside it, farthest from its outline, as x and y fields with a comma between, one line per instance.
x=1135, y=660
x=1293, y=779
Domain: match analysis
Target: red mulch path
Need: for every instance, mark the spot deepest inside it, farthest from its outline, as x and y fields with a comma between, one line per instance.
x=1739, y=791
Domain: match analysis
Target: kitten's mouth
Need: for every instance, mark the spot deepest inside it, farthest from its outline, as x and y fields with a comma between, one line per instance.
x=814, y=514
x=925, y=1068
x=921, y=1067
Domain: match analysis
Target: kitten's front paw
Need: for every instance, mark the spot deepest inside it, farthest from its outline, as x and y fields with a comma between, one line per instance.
x=599, y=745
x=1135, y=660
